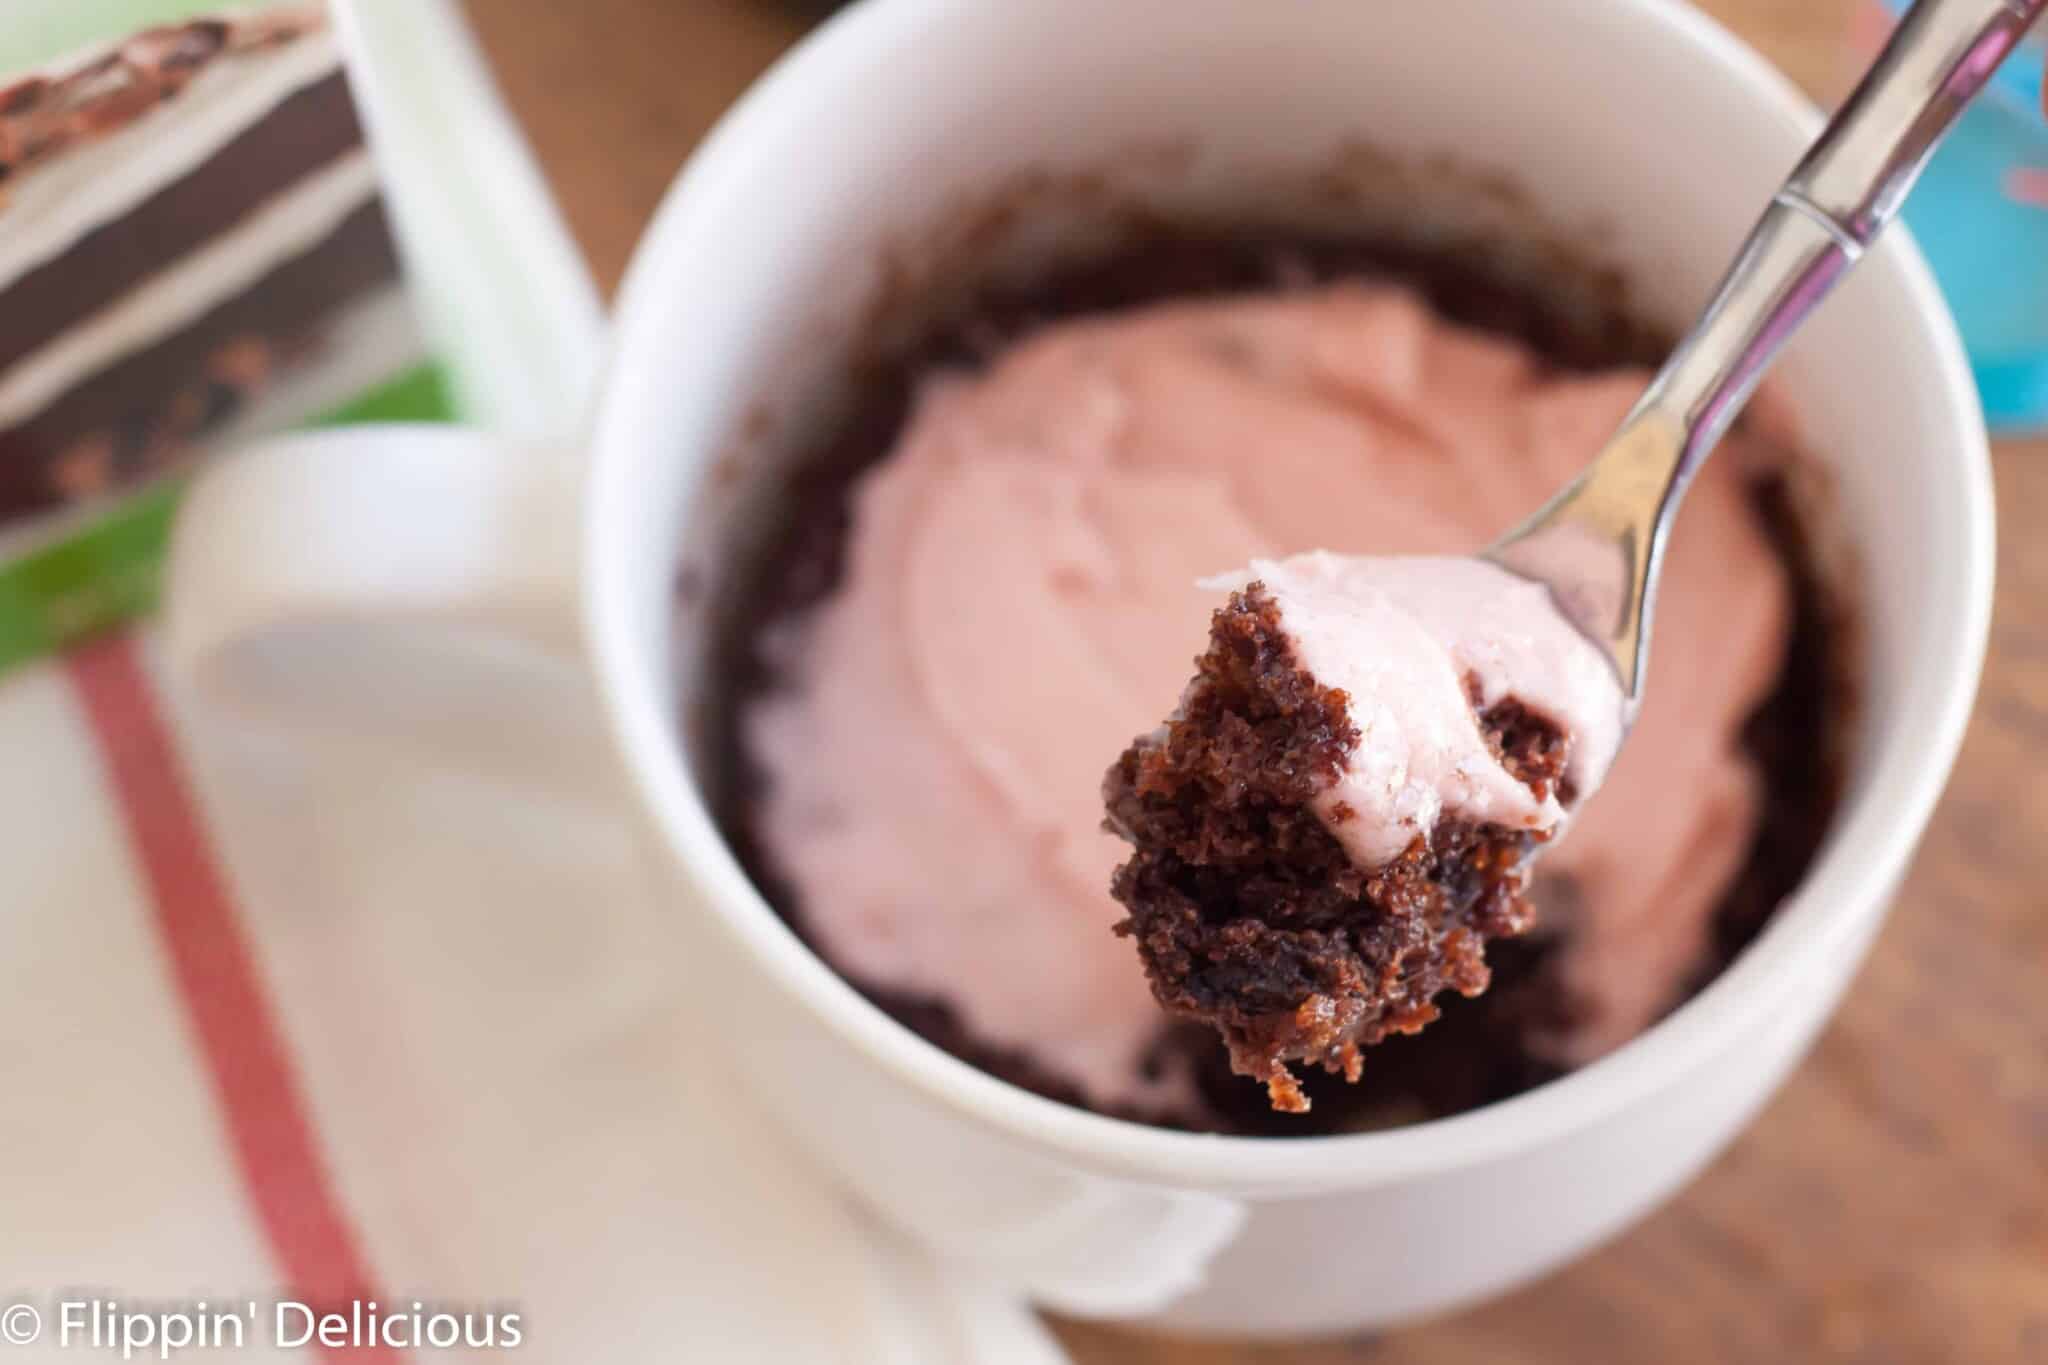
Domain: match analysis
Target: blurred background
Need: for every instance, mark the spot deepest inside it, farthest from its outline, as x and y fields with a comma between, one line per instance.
x=1892, y=1205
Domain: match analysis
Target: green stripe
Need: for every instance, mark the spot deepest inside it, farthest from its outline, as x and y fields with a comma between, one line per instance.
x=111, y=570
x=105, y=573
x=418, y=395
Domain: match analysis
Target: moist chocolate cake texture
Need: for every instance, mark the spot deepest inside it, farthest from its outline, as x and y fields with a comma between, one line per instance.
x=1481, y=1049
x=1248, y=913
x=185, y=215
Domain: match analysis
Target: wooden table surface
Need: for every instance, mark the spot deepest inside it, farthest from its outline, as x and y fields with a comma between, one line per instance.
x=1892, y=1204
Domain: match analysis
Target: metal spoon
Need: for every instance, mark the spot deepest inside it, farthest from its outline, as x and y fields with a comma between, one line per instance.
x=1598, y=545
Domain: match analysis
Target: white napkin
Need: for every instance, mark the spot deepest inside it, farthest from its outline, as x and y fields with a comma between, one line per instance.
x=326, y=1019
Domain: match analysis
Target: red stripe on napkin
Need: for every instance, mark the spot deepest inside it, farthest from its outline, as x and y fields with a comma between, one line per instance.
x=222, y=989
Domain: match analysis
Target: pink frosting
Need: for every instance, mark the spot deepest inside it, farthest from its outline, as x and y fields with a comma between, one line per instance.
x=1403, y=636
x=1021, y=596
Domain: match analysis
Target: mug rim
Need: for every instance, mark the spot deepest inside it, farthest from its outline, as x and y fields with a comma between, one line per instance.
x=1849, y=882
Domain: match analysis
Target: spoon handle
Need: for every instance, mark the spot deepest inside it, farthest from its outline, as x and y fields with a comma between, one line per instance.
x=1849, y=186
x=1598, y=545
x=1944, y=51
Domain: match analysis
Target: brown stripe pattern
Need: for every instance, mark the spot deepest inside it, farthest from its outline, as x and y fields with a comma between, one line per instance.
x=141, y=411
x=135, y=416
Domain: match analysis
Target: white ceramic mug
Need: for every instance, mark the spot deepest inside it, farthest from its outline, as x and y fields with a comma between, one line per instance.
x=1636, y=123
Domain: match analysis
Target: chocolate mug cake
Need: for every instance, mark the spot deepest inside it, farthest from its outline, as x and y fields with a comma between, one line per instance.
x=990, y=581
x=1346, y=803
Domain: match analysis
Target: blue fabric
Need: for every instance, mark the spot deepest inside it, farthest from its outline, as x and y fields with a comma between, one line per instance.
x=1990, y=251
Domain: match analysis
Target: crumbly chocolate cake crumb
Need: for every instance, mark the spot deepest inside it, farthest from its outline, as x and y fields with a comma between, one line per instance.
x=1246, y=910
